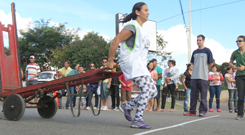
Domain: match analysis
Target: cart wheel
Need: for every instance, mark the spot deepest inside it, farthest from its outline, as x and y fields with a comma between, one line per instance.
x=48, y=107
x=14, y=107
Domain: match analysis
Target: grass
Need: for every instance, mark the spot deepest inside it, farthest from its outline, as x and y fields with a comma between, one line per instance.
x=168, y=105
x=177, y=106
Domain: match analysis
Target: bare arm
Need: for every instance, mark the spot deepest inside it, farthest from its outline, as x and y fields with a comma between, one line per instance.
x=122, y=36
x=63, y=75
x=38, y=74
x=26, y=76
x=183, y=80
x=155, y=77
x=22, y=74
x=160, y=76
x=231, y=63
x=210, y=66
x=109, y=84
x=229, y=79
x=122, y=82
x=131, y=83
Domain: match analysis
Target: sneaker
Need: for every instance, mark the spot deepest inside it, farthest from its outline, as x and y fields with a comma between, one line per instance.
x=88, y=108
x=189, y=114
x=102, y=108
x=239, y=117
x=201, y=115
x=139, y=124
x=105, y=108
x=211, y=110
x=127, y=112
x=95, y=108
x=218, y=110
x=116, y=109
x=85, y=108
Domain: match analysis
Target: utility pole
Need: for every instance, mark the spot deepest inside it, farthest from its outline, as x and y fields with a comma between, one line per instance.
x=189, y=34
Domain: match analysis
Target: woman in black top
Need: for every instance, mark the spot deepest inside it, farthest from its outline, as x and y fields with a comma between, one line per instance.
x=186, y=80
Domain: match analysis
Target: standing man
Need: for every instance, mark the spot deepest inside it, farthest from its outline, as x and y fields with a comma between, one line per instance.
x=91, y=90
x=159, y=82
x=202, y=60
x=115, y=90
x=63, y=73
x=239, y=56
x=32, y=72
x=72, y=89
x=106, y=87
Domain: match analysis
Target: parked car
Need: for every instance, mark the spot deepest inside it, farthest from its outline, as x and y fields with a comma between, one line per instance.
x=46, y=76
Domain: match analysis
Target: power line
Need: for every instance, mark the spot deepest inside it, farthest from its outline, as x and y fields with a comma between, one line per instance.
x=202, y=9
x=182, y=12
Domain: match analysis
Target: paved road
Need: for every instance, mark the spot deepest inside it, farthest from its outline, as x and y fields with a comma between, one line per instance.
x=112, y=122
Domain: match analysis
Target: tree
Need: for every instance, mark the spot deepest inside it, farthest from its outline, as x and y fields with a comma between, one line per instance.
x=92, y=48
x=160, y=53
x=42, y=38
x=7, y=51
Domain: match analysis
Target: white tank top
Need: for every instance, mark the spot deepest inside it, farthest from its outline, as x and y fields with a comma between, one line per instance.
x=133, y=61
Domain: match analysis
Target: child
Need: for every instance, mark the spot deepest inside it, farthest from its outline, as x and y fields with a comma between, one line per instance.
x=169, y=74
x=126, y=87
x=83, y=98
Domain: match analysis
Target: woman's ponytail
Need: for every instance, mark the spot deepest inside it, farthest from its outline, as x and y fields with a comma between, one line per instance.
x=133, y=15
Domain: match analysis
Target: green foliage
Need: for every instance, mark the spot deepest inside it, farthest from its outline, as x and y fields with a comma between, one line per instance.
x=160, y=53
x=180, y=77
x=181, y=86
x=6, y=50
x=92, y=48
x=42, y=38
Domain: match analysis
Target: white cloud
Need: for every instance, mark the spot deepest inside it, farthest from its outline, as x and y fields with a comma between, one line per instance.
x=22, y=23
x=85, y=32
x=177, y=44
x=106, y=37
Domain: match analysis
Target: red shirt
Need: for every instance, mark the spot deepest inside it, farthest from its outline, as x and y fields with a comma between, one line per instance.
x=123, y=79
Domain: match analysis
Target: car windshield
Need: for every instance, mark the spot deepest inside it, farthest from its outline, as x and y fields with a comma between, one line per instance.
x=46, y=76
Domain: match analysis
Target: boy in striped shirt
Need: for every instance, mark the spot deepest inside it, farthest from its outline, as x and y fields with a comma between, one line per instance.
x=32, y=72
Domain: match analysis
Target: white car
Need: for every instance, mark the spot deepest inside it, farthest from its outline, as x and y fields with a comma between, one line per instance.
x=46, y=76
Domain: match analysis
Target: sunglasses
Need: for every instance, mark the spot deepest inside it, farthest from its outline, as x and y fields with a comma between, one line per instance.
x=240, y=41
x=104, y=61
x=91, y=66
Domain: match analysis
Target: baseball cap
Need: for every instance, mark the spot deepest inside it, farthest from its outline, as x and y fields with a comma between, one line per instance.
x=32, y=57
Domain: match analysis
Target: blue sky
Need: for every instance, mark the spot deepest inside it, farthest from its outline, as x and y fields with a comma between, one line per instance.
x=221, y=25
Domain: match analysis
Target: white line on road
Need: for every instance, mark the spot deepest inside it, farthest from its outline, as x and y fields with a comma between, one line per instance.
x=178, y=125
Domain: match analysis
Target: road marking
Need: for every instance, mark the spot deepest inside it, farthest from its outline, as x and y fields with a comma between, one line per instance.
x=177, y=125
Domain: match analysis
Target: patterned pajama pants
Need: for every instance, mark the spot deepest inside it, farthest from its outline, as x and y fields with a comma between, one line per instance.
x=148, y=91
